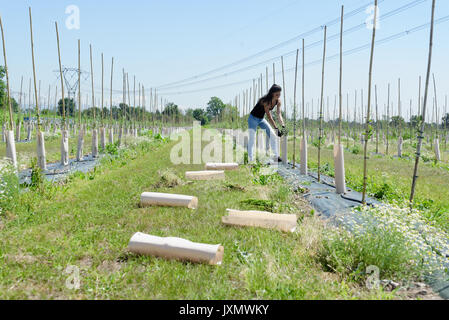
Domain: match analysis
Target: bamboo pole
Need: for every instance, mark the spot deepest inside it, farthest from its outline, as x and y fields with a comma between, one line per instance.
x=62, y=78
x=388, y=119
x=341, y=77
x=421, y=130
x=92, y=82
x=11, y=121
x=369, y=106
x=294, y=111
x=79, y=84
x=321, y=104
x=112, y=73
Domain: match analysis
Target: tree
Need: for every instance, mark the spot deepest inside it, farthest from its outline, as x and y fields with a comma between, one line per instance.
x=416, y=121
x=69, y=107
x=200, y=115
x=215, y=107
x=397, y=121
x=171, y=109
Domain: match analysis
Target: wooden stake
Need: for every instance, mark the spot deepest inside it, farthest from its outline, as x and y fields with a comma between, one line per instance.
x=62, y=79
x=365, y=178
x=112, y=74
x=34, y=75
x=294, y=111
x=341, y=76
x=421, y=130
x=321, y=103
x=11, y=121
x=92, y=82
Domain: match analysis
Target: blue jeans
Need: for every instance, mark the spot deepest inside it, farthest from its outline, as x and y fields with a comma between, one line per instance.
x=253, y=123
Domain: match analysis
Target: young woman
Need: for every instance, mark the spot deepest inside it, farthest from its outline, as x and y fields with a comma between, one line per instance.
x=256, y=119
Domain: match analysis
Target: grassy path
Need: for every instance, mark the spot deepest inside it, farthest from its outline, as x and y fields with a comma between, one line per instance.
x=89, y=222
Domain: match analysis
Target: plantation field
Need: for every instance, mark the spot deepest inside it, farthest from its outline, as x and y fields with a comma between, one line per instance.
x=88, y=222
x=390, y=178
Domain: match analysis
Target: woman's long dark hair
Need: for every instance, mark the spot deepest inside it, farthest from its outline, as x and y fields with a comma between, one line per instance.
x=269, y=96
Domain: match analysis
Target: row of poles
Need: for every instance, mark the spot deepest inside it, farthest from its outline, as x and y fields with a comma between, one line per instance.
x=128, y=122
x=250, y=96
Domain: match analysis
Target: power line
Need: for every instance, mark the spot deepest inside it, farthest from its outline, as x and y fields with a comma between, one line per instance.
x=282, y=44
x=348, y=52
x=314, y=44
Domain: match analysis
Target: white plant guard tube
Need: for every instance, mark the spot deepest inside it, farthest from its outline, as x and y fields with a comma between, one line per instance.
x=303, y=149
x=94, y=143
x=339, y=164
x=11, y=148
x=222, y=166
x=41, y=158
x=111, y=136
x=65, y=148
x=205, y=175
x=261, y=219
x=168, y=200
x=102, y=138
x=284, y=144
x=400, y=142
x=437, y=150
x=79, y=150
x=176, y=249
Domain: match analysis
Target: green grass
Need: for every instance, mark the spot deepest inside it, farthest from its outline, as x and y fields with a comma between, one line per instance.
x=390, y=178
x=88, y=223
x=27, y=151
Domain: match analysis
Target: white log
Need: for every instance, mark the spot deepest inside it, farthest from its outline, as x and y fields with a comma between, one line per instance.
x=79, y=150
x=65, y=147
x=261, y=219
x=222, y=166
x=94, y=143
x=176, y=249
x=339, y=165
x=205, y=175
x=41, y=157
x=304, y=156
x=168, y=200
x=11, y=148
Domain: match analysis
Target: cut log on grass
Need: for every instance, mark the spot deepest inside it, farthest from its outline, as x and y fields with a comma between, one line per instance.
x=176, y=249
x=205, y=175
x=222, y=166
x=168, y=200
x=261, y=219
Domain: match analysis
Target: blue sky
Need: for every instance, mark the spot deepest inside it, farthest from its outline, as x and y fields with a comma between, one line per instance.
x=162, y=42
